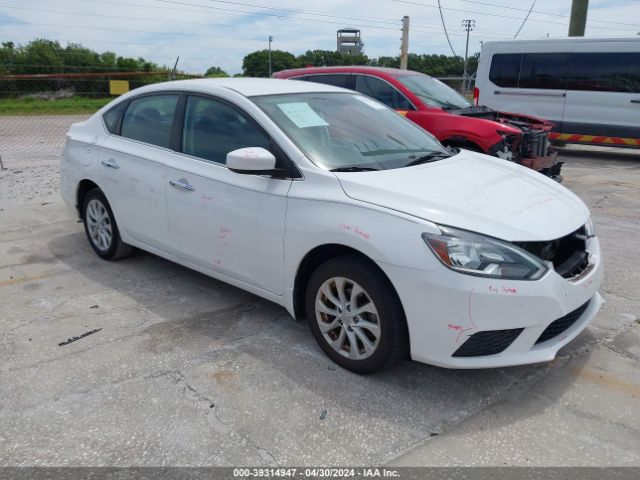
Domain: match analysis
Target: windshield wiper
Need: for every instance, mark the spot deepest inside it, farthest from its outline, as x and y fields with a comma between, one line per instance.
x=354, y=168
x=429, y=157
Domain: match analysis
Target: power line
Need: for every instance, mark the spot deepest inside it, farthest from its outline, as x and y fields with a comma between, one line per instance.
x=445, y=30
x=392, y=23
x=510, y=7
x=504, y=16
x=147, y=19
x=303, y=12
x=525, y=19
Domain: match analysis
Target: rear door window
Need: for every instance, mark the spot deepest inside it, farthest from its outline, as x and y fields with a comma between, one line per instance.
x=505, y=69
x=382, y=91
x=149, y=119
x=338, y=80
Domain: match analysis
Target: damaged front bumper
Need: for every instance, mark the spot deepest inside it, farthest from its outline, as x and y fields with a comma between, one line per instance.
x=548, y=165
x=531, y=150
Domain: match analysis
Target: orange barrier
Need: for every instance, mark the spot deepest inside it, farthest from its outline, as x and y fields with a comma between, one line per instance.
x=573, y=137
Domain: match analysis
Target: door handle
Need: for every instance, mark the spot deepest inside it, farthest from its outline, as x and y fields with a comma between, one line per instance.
x=635, y=100
x=182, y=183
x=111, y=163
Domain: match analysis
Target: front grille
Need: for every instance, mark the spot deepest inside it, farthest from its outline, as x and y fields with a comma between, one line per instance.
x=568, y=254
x=490, y=342
x=535, y=144
x=562, y=324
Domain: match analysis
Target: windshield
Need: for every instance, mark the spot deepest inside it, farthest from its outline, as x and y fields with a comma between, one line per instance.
x=433, y=92
x=343, y=130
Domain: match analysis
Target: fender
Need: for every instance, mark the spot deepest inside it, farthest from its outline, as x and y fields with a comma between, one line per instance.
x=443, y=126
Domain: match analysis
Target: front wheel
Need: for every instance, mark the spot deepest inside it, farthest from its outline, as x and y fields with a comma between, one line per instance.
x=101, y=228
x=355, y=315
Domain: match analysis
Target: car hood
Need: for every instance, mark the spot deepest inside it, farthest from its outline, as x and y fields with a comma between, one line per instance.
x=474, y=192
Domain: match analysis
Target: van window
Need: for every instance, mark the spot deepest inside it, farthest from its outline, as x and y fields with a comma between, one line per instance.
x=335, y=80
x=149, y=119
x=544, y=71
x=505, y=69
x=383, y=92
x=605, y=72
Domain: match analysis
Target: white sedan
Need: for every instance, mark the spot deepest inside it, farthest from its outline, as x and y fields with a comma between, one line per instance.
x=342, y=211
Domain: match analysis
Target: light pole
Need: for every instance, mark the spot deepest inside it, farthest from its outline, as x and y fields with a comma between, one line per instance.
x=270, y=40
x=468, y=25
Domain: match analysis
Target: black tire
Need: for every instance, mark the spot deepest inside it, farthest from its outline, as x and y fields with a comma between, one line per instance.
x=116, y=247
x=393, y=339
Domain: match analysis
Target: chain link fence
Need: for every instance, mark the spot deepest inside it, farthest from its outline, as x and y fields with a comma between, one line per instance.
x=36, y=111
x=459, y=85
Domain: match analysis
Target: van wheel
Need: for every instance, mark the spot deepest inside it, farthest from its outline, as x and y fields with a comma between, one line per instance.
x=101, y=228
x=355, y=315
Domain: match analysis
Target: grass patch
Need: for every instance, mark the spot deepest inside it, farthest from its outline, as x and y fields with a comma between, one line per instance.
x=61, y=106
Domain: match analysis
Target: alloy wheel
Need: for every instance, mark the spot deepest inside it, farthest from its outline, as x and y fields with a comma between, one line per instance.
x=99, y=225
x=348, y=318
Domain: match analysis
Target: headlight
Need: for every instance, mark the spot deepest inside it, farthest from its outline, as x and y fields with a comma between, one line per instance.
x=589, y=229
x=475, y=254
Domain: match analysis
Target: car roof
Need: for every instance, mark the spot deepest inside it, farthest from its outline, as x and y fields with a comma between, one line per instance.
x=245, y=86
x=349, y=69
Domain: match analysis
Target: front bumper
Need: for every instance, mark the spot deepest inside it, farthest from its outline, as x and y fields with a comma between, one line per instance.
x=445, y=308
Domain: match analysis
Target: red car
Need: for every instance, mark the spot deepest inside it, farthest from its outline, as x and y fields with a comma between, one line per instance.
x=446, y=114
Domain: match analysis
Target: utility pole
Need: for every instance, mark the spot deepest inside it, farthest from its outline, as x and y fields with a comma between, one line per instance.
x=578, y=20
x=468, y=24
x=270, y=40
x=404, y=46
x=172, y=76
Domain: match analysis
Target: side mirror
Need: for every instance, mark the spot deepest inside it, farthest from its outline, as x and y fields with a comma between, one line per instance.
x=252, y=161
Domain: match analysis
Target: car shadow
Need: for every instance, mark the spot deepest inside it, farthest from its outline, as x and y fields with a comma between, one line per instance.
x=251, y=356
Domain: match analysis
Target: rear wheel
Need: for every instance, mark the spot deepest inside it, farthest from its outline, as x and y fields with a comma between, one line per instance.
x=101, y=228
x=355, y=315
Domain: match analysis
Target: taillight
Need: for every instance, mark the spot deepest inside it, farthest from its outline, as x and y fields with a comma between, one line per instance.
x=476, y=95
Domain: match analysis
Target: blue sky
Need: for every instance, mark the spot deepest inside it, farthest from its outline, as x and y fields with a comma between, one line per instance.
x=221, y=32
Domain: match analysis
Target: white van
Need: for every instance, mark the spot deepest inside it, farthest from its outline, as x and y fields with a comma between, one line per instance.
x=589, y=87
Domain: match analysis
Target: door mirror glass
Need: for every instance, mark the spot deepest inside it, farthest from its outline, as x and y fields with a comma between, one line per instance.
x=250, y=160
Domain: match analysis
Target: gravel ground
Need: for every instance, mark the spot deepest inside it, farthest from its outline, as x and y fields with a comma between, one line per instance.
x=30, y=147
x=185, y=370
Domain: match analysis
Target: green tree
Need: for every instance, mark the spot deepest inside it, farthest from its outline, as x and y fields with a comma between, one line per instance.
x=256, y=64
x=40, y=56
x=7, y=56
x=78, y=58
x=215, y=72
x=389, y=62
x=328, y=58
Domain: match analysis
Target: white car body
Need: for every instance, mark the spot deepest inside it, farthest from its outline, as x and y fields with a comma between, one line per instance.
x=254, y=232
x=588, y=87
